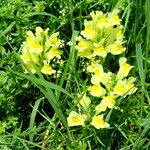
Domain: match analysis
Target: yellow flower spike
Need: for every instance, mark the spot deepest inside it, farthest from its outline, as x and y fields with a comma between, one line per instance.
x=97, y=90
x=98, y=122
x=53, y=52
x=75, y=119
x=84, y=101
x=47, y=69
x=124, y=68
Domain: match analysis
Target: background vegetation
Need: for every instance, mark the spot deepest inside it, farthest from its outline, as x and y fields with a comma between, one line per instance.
x=27, y=120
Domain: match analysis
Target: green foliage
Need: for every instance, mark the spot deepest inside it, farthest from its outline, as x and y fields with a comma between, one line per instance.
x=27, y=120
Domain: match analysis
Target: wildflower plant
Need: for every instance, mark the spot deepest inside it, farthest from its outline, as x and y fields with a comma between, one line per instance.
x=101, y=36
x=41, y=52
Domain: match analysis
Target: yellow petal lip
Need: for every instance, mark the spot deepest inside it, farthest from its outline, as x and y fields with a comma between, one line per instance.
x=97, y=90
x=98, y=122
x=108, y=101
x=75, y=119
x=46, y=69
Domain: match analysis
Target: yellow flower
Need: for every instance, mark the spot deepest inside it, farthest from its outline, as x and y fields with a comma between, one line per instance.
x=85, y=101
x=125, y=87
x=53, y=52
x=30, y=67
x=86, y=53
x=102, y=22
x=108, y=101
x=120, y=88
x=99, y=50
x=33, y=45
x=94, y=66
x=100, y=107
x=97, y=90
x=26, y=57
x=47, y=69
x=116, y=48
x=124, y=68
x=89, y=32
x=75, y=119
x=100, y=76
x=114, y=18
x=83, y=45
x=98, y=122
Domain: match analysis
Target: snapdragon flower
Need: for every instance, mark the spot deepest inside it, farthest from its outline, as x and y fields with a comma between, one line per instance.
x=75, y=119
x=39, y=50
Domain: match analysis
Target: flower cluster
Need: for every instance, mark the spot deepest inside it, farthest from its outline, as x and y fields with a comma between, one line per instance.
x=42, y=52
x=101, y=35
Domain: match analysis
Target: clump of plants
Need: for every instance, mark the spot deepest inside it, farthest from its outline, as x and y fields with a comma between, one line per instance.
x=102, y=36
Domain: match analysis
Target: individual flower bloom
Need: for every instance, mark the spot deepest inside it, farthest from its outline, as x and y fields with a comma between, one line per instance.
x=98, y=122
x=75, y=119
x=83, y=45
x=84, y=101
x=125, y=87
x=53, y=52
x=25, y=58
x=119, y=33
x=100, y=76
x=89, y=32
x=47, y=69
x=96, y=15
x=131, y=86
x=33, y=45
x=108, y=101
x=29, y=57
x=97, y=90
x=99, y=50
x=87, y=53
x=116, y=48
x=30, y=67
x=124, y=68
x=100, y=107
x=120, y=88
x=40, y=33
x=52, y=41
x=103, y=22
x=114, y=18
x=94, y=66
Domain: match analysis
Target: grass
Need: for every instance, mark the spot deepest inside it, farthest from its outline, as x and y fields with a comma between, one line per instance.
x=42, y=121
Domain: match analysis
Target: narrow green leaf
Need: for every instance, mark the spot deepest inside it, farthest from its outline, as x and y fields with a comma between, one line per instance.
x=7, y=29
